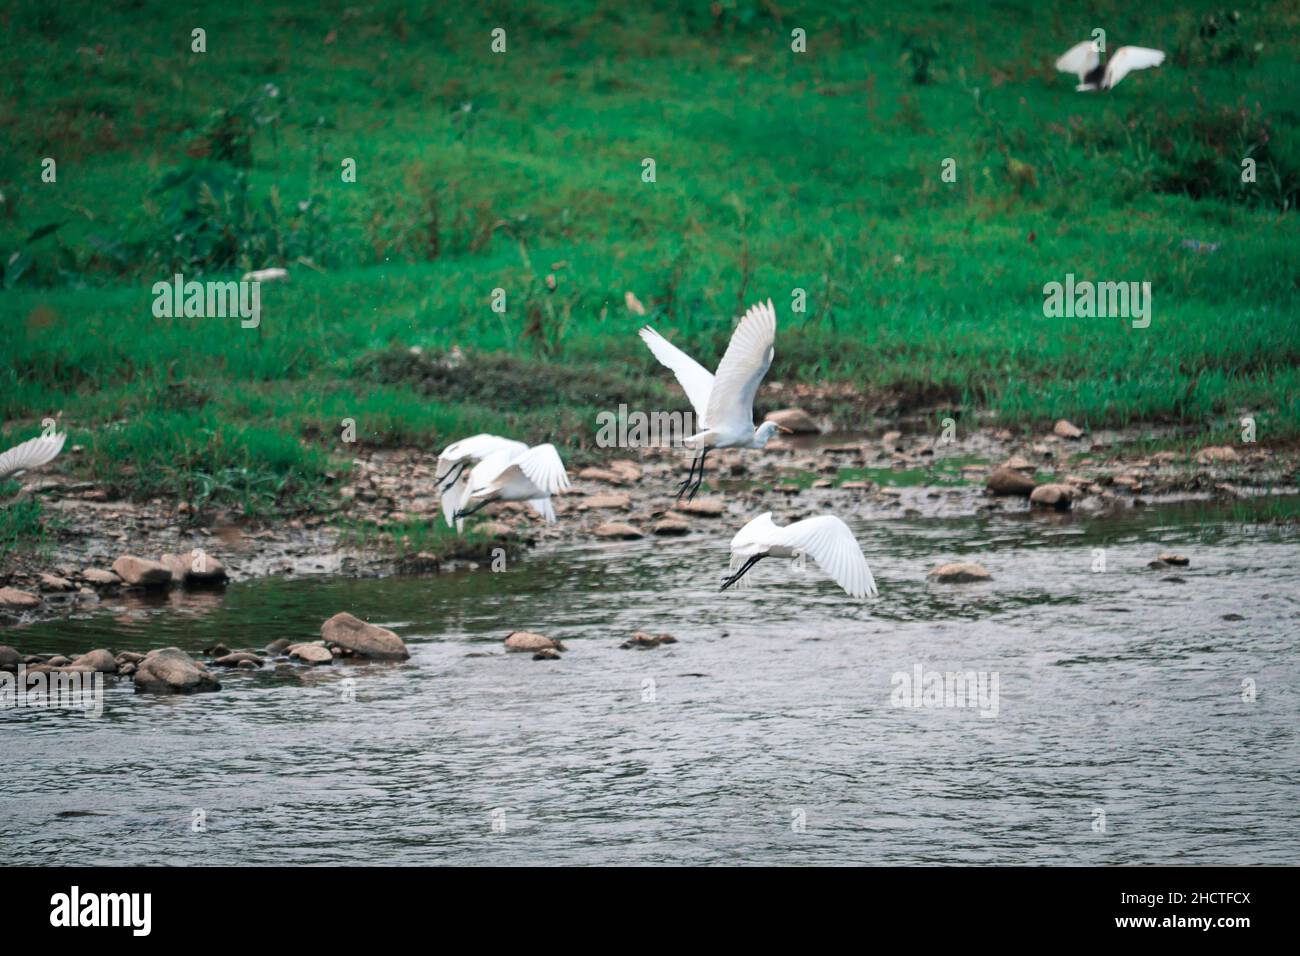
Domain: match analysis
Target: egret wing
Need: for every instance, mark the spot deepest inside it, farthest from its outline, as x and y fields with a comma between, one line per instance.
x=1081, y=59
x=1127, y=59
x=476, y=448
x=695, y=379
x=747, y=359
x=828, y=541
x=31, y=454
x=542, y=466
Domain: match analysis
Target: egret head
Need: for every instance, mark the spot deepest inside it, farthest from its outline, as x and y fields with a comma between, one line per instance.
x=763, y=434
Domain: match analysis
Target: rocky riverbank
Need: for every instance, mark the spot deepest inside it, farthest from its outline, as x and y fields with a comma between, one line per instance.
x=100, y=547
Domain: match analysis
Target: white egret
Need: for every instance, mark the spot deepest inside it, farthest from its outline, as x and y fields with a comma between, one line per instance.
x=455, y=460
x=30, y=454
x=724, y=403
x=1084, y=61
x=826, y=539
x=532, y=476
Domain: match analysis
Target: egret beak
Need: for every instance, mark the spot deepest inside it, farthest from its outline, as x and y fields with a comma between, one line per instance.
x=784, y=431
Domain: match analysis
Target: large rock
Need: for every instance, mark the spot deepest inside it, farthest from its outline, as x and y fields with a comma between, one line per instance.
x=12, y=599
x=194, y=567
x=1007, y=481
x=1064, y=429
x=170, y=670
x=101, y=578
x=362, y=639
x=528, y=641
x=959, y=572
x=97, y=660
x=708, y=507
x=141, y=572
x=53, y=582
x=796, y=420
x=9, y=658
x=601, y=474
x=1052, y=496
x=618, y=529
x=612, y=500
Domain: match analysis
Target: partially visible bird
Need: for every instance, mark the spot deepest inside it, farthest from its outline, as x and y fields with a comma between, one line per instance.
x=826, y=539
x=1084, y=61
x=454, y=463
x=532, y=476
x=724, y=403
x=30, y=454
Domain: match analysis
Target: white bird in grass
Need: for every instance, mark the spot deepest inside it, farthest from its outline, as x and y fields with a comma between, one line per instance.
x=724, y=403
x=826, y=539
x=532, y=476
x=1084, y=61
x=455, y=461
x=30, y=454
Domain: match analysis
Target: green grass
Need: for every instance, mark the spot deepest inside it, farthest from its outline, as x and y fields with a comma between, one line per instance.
x=775, y=171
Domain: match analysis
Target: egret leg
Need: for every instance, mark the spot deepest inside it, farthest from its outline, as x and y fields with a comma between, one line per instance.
x=682, y=488
x=700, y=478
x=451, y=473
x=753, y=560
x=465, y=514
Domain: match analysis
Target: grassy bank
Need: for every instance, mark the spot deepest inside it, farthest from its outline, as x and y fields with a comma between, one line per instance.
x=775, y=171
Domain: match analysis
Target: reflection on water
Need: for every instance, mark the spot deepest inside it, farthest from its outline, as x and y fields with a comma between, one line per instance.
x=766, y=735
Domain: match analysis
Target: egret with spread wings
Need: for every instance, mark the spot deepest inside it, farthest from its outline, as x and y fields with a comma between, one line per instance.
x=723, y=402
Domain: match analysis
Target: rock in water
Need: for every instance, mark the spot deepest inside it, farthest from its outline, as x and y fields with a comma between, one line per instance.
x=9, y=658
x=959, y=572
x=170, y=670
x=1007, y=481
x=642, y=641
x=1181, y=560
x=362, y=639
x=194, y=567
x=238, y=658
x=100, y=577
x=1052, y=496
x=312, y=653
x=98, y=660
x=528, y=641
x=12, y=599
x=141, y=572
x=795, y=419
x=547, y=654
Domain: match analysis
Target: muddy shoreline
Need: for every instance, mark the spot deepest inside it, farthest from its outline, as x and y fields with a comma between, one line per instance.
x=629, y=495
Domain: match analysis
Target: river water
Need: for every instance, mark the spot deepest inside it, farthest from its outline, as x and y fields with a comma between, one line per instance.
x=1133, y=723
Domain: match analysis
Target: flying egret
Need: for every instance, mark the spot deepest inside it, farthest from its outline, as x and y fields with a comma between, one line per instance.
x=826, y=539
x=724, y=403
x=532, y=475
x=30, y=454
x=1084, y=61
x=455, y=460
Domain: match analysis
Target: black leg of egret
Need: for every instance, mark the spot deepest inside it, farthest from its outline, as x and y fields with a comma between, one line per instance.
x=465, y=514
x=681, y=489
x=754, y=559
x=700, y=478
x=453, y=473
